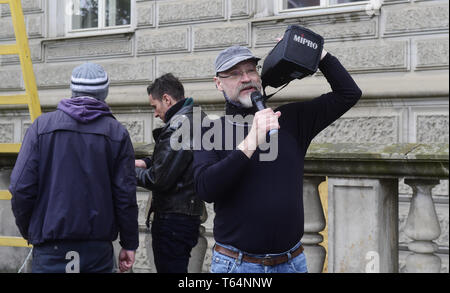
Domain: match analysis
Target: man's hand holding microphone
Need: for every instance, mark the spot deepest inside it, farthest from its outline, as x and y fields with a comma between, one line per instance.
x=265, y=121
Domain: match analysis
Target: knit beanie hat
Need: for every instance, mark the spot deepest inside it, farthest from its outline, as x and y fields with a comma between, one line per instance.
x=89, y=79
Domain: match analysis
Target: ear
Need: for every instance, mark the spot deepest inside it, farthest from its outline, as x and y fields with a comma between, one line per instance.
x=218, y=83
x=168, y=100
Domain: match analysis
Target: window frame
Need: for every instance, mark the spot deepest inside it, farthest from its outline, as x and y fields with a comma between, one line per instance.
x=324, y=8
x=101, y=29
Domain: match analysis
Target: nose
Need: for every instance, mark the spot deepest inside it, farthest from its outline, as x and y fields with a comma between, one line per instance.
x=245, y=77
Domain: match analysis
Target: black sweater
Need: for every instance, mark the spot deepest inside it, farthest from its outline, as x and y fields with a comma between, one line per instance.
x=259, y=204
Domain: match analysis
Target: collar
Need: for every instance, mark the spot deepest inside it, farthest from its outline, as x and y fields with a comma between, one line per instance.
x=175, y=108
x=231, y=109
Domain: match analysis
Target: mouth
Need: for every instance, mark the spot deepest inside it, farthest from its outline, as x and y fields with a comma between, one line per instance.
x=248, y=89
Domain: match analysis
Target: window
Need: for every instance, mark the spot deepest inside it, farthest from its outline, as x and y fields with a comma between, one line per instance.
x=85, y=15
x=293, y=4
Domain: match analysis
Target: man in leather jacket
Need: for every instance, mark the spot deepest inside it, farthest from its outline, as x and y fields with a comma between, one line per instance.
x=168, y=174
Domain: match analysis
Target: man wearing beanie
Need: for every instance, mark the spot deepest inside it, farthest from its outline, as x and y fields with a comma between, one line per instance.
x=73, y=184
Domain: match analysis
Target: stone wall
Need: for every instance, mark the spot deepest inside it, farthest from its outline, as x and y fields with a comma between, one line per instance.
x=398, y=55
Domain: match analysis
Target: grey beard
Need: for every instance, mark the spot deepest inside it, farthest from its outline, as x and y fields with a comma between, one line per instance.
x=247, y=103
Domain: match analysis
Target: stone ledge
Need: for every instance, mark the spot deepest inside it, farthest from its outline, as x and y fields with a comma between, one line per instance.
x=372, y=151
x=410, y=160
x=379, y=160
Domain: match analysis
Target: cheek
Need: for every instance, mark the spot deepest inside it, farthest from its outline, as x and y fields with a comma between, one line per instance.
x=229, y=91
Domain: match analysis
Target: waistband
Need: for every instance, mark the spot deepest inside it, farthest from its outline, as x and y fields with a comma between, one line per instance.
x=174, y=216
x=262, y=259
x=232, y=248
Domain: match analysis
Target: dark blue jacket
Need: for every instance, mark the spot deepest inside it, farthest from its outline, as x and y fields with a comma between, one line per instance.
x=74, y=177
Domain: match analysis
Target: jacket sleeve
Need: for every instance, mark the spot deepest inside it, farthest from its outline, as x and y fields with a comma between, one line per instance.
x=168, y=164
x=317, y=114
x=124, y=196
x=24, y=180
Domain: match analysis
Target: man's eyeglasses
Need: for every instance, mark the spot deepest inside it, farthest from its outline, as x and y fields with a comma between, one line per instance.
x=238, y=74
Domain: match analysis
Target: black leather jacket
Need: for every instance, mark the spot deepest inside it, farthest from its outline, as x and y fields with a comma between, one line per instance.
x=169, y=173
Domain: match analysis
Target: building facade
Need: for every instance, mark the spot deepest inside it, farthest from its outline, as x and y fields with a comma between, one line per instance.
x=396, y=50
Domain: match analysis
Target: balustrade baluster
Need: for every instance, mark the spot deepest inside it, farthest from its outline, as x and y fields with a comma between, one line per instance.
x=314, y=223
x=422, y=226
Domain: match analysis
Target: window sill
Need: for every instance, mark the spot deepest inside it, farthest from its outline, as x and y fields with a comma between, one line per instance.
x=96, y=33
x=314, y=11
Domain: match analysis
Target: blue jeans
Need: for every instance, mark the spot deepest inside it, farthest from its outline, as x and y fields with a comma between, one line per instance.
x=224, y=264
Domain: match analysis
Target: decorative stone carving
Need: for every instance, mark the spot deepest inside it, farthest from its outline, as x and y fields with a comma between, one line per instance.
x=240, y=8
x=35, y=50
x=221, y=36
x=188, y=67
x=76, y=49
x=266, y=34
x=25, y=127
x=143, y=197
x=432, y=129
x=441, y=189
x=190, y=10
x=11, y=78
x=28, y=6
x=144, y=256
x=360, y=130
x=416, y=18
x=121, y=72
x=145, y=13
x=6, y=132
x=135, y=129
x=34, y=24
x=372, y=56
x=432, y=54
x=162, y=40
x=132, y=71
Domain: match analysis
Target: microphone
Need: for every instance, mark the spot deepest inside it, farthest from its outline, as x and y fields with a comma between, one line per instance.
x=258, y=102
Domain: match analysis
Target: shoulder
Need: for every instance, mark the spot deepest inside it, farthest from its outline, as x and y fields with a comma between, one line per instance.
x=47, y=119
x=291, y=107
x=178, y=120
x=111, y=128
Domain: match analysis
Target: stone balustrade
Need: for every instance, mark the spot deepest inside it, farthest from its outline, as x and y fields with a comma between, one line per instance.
x=363, y=219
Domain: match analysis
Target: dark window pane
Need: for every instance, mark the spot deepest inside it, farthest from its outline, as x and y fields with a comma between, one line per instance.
x=300, y=3
x=344, y=1
x=289, y=4
x=84, y=14
x=117, y=12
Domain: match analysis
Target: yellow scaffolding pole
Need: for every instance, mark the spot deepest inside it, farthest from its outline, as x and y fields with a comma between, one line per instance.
x=13, y=241
x=30, y=98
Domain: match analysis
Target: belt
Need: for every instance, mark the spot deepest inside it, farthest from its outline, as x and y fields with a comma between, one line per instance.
x=266, y=261
x=174, y=216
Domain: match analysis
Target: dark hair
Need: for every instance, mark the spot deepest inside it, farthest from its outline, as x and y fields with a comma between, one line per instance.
x=166, y=84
